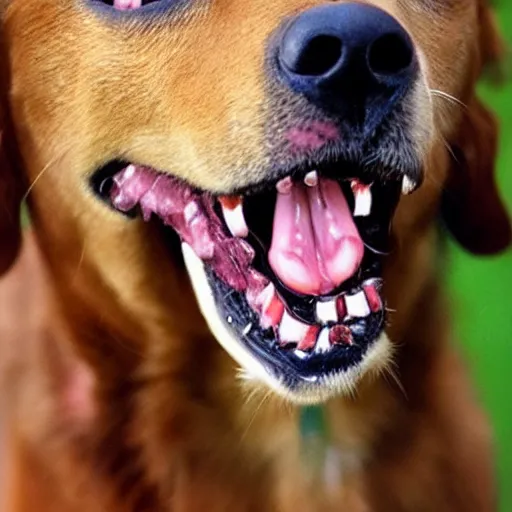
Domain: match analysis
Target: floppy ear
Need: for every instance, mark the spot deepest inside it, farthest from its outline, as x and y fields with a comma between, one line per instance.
x=472, y=207
x=11, y=188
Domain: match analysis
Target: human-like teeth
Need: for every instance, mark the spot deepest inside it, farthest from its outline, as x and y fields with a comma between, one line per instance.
x=323, y=344
x=326, y=311
x=357, y=305
x=311, y=179
x=284, y=186
x=408, y=185
x=292, y=330
x=232, y=209
x=308, y=342
x=362, y=198
x=373, y=297
x=272, y=307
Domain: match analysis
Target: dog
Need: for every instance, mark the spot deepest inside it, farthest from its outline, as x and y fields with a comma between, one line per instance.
x=230, y=296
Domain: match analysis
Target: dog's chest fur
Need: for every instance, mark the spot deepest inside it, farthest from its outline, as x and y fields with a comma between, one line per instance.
x=184, y=434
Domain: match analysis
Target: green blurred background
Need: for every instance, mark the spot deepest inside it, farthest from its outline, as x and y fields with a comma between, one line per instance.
x=480, y=291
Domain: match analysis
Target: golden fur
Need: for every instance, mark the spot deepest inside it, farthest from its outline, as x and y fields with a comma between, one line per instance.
x=116, y=396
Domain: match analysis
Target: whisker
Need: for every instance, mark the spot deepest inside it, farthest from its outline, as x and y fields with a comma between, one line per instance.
x=266, y=396
x=44, y=171
x=80, y=261
x=390, y=371
x=448, y=97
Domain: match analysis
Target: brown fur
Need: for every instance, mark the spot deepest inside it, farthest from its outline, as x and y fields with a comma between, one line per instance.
x=116, y=396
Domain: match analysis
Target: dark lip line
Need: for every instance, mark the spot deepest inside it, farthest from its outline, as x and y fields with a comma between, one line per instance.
x=326, y=168
x=297, y=372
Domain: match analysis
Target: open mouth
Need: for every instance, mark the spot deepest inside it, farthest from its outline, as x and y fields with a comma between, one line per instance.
x=287, y=274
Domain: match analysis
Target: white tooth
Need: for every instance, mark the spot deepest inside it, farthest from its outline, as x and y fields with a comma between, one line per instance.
x=291, y=330
x=407, y=185
x=362, y=199
x=357, y=305
x=190, y=211
x=323, y=344
x=235, y=220
x=300, y=354
x=247, y=329
x=311, y=179
x=129, y=172
x=326, y=311
x=284, y=186
x=374, y=281
x=265, y=297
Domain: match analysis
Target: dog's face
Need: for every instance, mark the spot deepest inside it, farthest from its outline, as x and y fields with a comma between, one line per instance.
x=275, y=140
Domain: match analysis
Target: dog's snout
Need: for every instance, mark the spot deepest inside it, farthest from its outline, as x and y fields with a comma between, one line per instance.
x=346, y=53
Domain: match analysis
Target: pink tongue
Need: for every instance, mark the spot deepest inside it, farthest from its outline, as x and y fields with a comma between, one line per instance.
x=315, y=243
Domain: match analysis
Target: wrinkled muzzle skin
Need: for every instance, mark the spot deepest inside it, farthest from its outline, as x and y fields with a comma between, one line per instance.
x=189, y=87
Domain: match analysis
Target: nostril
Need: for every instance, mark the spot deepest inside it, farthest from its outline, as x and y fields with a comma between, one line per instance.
x=390, y=54
x=317, y=57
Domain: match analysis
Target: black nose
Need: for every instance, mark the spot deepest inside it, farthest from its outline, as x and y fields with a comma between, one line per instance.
x=347, y=55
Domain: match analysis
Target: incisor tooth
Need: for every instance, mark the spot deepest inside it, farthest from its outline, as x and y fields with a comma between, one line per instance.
x=357, y=305
x=326, y=311
x=311, y=179
x=284, y=186
x=291, y=330
x=408, y=185
x=234, y=216
x=323, y=344
x=362, y=199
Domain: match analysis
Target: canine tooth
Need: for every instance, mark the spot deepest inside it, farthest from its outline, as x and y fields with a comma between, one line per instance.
x=408, y=185
x=362, y=198
x=291, y=330
x=326, y=311
x=272, y=307
x=373, y=297
x=323, y=345
x=284, y=186
x=129, y=172
x=233, y=212
x=247, y=329
x=229, y=319
x=357, y=305
x=311, y=179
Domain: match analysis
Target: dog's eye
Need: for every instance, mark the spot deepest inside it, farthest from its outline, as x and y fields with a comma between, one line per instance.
x=127, y=5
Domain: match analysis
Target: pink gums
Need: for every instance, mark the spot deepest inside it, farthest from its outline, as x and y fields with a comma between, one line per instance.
x=313, y=136
x=191, y=215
